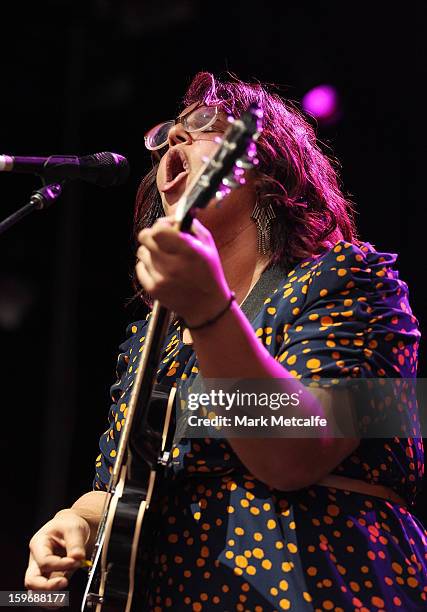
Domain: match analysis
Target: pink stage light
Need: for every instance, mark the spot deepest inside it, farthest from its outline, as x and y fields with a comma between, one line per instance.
x=323, y=103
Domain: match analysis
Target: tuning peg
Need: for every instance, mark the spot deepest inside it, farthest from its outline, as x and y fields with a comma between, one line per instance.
x=244, y=164
x=251, y=152
x=223, y=191
x=229, y=182
x=239, y=175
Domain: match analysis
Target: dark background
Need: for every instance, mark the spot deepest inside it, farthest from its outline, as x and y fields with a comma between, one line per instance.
x=81, y=78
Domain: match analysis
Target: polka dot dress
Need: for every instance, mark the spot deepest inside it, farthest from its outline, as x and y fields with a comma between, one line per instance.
x=228, y=541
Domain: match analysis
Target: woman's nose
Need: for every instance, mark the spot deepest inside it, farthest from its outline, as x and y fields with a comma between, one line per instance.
x=177, y=134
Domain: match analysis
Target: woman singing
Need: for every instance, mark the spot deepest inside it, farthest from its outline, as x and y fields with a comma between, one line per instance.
x=264, y=524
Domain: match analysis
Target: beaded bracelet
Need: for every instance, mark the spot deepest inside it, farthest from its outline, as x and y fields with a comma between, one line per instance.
x=216, y=317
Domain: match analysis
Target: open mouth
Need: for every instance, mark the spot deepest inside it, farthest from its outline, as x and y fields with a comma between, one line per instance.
x=177, y=169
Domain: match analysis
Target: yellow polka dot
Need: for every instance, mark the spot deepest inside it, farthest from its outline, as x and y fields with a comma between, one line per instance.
x=286, y=566
x=241, y=561
x=333, y=510
x=271, y=310
x=251, y=570
x=291, y=547
x=291, y=360
x=259, y=332
x=266, y=564
x=113, y=453
x=347, y=313
x=134, y=329
x=271, y=524
x=377, y=602
x=307, y=596
x=283, y=585
x=313, y=364
x=285, y=604
x=288, y=292
x=175, y=452
x=341, y=271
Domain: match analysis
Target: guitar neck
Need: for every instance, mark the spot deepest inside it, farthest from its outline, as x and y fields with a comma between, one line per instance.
x=146, y=370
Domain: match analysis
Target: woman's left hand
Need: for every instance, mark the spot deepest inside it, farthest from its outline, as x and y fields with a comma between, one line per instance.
x=182, y=271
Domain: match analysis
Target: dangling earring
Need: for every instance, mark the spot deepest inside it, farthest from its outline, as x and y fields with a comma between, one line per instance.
x=262, y=217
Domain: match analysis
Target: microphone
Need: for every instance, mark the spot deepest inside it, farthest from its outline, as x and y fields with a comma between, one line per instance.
x=104, y=169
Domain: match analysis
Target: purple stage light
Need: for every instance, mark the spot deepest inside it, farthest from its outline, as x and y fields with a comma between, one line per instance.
x=322, y=102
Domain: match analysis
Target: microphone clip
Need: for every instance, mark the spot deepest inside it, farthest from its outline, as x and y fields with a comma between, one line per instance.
x=40, y=200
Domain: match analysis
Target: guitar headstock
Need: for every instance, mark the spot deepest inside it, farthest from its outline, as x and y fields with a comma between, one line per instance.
x=226, y=169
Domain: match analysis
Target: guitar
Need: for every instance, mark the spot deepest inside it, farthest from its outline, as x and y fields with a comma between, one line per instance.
x=124, y=538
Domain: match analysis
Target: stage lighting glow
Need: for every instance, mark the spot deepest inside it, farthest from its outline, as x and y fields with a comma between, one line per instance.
x=322, y=102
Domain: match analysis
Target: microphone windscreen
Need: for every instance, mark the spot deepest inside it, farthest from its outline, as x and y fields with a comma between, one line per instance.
x=105, y=169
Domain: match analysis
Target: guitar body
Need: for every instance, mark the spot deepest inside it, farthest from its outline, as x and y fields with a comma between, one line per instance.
x=118, y=578
x=123, y=587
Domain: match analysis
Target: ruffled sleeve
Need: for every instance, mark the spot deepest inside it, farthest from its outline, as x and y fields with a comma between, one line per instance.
x=117, y=414
x=356, y=320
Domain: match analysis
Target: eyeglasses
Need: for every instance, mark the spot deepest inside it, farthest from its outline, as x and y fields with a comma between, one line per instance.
x=198, y=119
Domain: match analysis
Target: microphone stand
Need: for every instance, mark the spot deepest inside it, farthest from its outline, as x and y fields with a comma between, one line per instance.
x=41, y=199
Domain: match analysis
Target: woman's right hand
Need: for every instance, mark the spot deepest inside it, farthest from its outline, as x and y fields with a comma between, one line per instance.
x=56, y=551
